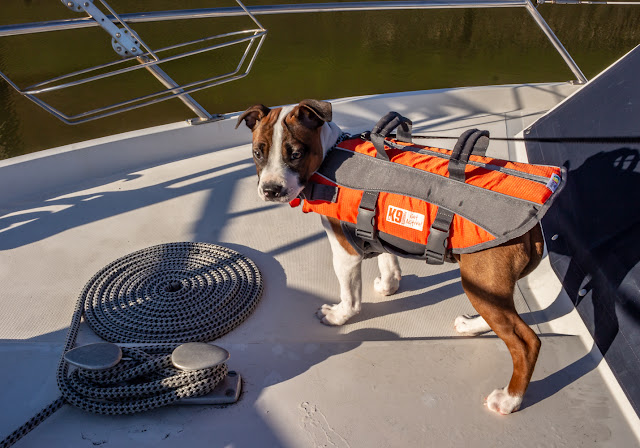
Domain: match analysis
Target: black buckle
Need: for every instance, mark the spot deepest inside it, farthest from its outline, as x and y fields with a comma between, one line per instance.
x=366, y=223
x=436, y=246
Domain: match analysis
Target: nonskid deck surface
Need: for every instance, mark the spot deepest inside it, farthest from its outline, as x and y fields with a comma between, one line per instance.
x=396, y=375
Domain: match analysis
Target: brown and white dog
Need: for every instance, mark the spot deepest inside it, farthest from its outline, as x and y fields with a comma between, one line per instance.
x=289, y=144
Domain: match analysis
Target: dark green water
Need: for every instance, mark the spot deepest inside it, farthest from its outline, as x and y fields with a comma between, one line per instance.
x=322, y=56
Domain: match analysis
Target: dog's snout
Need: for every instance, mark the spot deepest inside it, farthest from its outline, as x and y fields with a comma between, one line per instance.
x=272, y=191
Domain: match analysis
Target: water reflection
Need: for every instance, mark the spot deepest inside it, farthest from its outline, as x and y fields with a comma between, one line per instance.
x=328, y=55
x=10, y=142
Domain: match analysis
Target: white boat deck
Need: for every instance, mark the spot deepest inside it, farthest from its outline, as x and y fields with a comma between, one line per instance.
x=395, y=376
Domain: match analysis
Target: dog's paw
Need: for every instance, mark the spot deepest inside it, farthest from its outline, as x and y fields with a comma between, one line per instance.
x=502, y=402
x=335, y=314
x=471, y=325
x=386, y=288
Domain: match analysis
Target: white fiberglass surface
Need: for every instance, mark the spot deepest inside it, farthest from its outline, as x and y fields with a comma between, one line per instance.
x=396, y=375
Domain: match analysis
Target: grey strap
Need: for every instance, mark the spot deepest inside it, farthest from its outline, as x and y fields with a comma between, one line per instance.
x=366, y=222
x=378, y=143
x=436, y=248
x=319, y=192
x=481, y=144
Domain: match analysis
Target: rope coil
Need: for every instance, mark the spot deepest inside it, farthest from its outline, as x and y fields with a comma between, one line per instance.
x=160, y=297
x=172, y=293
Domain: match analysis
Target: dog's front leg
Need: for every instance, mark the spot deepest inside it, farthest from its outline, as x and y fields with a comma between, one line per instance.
x=347, y=264
x=388, y=281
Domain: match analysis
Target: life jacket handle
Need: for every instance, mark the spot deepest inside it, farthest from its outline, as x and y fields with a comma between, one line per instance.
x=471, y=141
x=385, y=126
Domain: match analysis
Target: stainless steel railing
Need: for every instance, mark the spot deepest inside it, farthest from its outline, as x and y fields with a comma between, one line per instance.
x=144, y=57
x=135, y=55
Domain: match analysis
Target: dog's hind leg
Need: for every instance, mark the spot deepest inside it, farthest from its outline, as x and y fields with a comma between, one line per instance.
x=488, y=279
x=467, y=325
x=347, y=264
x=388, y=281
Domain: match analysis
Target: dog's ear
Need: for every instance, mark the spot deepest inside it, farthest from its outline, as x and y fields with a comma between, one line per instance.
x=314, y=113
x=252, y=115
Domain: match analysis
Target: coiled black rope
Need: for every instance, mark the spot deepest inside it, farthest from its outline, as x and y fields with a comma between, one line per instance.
x=160, y=297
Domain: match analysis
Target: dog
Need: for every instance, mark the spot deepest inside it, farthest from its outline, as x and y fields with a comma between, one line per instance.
x=289, y=145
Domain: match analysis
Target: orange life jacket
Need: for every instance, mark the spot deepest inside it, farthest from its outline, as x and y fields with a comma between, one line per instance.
x=409, y=217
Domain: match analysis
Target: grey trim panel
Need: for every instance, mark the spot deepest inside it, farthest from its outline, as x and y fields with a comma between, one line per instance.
x=337, y=169
x=498, y=214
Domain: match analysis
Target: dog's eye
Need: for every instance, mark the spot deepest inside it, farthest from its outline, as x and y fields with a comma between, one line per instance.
x=257, y=153
x=295, y=155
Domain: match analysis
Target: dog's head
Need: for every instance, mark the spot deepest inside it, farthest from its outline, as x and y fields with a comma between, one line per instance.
x=289, y=144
